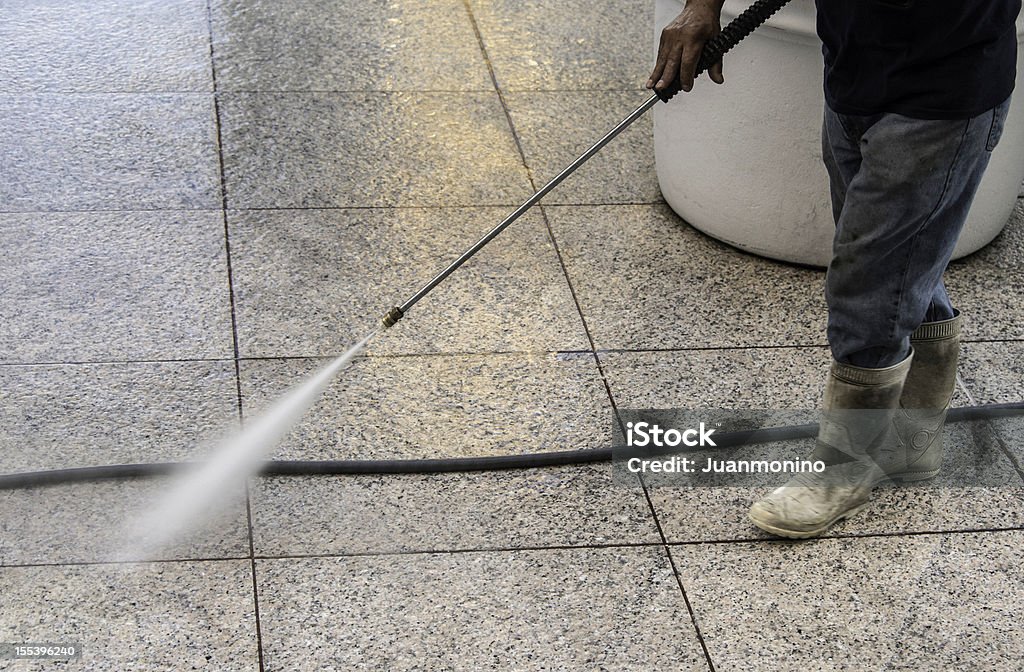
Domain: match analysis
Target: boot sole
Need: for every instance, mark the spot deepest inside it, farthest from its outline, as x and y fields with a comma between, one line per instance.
x=909, y=476
x=806, y=534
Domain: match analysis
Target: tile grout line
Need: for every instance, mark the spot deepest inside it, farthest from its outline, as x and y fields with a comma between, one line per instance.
x=224, y=216
x=652, y=510
x=234, y=332
x=593, y=347
x=289, y=208
x=544, y=217
x=400, y=355
x=195, y=92
x=462, y=551
x=1014, y=462
x=466, y=353
x=498, y=91
x=679, y=581
x=547, y=223
x=513, y=549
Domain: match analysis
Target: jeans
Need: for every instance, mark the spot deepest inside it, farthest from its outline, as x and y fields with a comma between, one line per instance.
x=901, y=190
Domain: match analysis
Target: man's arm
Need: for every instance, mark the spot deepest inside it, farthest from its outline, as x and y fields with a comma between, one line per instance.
x=682, y=42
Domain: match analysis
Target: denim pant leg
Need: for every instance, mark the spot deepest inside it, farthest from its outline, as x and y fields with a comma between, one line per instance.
x=901, y=190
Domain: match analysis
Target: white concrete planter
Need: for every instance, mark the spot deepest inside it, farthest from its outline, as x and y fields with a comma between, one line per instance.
x=742, y=162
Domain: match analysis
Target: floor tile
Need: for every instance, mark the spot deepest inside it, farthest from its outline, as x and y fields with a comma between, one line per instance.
x=369, y=45
x=439, y=406
x=993, y=372
x=562, y=506
x=556, y=127
x=613, y=608
x=108, y=152
x=644, y=279
x=159, y=616
x=58, y=416
x=369, y=149
x=986, y=285
x=988, y=302
x=856, y=604
x=567, y=45
x=761, y=378
x=314, y=282
x=98, y=521
x=1008, y=436
x=103, y=286
x=105, y=45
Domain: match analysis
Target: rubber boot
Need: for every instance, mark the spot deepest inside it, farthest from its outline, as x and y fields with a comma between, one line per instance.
x=856, y=422
x=915, y=452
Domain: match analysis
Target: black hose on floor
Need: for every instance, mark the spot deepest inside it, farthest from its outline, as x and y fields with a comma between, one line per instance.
x=455, y=464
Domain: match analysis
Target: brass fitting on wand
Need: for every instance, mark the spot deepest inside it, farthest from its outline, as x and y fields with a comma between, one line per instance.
x=391, y=317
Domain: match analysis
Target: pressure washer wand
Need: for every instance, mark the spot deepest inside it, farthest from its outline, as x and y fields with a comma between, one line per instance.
x=731, y=35
x=397, y=312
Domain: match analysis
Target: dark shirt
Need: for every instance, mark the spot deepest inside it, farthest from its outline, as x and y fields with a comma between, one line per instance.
x=928, y=59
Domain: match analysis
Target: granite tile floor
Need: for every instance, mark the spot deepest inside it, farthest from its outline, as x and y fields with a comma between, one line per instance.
x=202, y=201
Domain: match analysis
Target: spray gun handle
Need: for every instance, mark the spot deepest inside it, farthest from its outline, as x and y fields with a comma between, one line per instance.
x=734, y=33
x=710, y=50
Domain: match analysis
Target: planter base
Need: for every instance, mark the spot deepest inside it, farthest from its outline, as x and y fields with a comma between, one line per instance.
x=742, y=162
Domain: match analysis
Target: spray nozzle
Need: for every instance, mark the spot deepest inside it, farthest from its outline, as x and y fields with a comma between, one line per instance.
x=391, y=317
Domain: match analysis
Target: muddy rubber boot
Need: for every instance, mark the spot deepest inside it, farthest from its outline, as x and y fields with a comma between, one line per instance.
x=856, y=423
x=915, y=452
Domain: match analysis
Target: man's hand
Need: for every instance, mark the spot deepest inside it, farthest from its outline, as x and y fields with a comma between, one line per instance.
x=681, y=44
